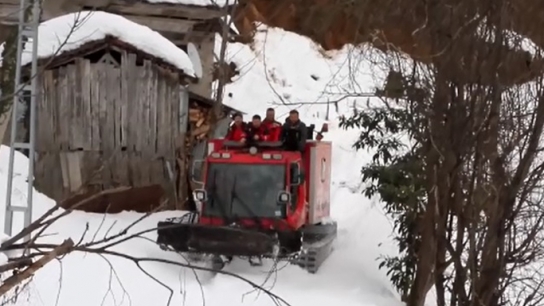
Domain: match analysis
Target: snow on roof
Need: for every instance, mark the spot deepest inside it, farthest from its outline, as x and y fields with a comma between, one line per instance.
x=219, y=3
x=71, y=31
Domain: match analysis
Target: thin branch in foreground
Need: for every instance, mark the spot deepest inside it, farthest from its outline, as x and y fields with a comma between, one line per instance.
x=16, y=279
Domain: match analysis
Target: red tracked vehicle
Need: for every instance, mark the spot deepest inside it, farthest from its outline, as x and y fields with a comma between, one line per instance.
x=259, y=202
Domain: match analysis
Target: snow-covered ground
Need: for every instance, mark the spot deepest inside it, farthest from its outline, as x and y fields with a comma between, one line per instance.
x=279, y=64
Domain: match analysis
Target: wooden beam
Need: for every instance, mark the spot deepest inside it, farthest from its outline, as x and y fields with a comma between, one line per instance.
x=205, y=50
x=176, y=38
x=181, y=39
x=164, y=9
x=9, y=13
x=14, y=2
x=180, y=42
x=163, y=24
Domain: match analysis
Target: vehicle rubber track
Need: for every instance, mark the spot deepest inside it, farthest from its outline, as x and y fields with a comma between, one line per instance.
x=317, y=245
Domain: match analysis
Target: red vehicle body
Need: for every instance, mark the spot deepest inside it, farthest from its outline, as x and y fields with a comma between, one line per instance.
x=258, y=201
x=312, y=202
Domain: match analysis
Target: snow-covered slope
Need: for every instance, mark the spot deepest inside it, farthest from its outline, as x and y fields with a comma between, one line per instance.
x=285, y=70
x=279, y=63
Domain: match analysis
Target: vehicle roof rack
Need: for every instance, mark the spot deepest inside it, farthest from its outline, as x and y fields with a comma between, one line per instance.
x=233, y=144
x=269, y=144
x=261, y=144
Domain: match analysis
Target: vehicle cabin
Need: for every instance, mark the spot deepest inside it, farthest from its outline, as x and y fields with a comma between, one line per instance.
x=266, y=182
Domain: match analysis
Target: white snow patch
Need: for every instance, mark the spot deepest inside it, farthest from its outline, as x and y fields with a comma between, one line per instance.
x=71, y=31
x=349, y=277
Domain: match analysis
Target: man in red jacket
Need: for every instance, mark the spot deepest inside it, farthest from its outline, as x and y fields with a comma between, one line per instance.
x=256, y=131
x=273, y=126
x=237, y=130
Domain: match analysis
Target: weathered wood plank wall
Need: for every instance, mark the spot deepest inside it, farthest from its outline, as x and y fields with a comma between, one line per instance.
x=101, y=126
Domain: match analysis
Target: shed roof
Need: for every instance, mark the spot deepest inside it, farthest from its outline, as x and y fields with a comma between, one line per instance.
x=108, y=43
x=73, y=31
x=209, y=103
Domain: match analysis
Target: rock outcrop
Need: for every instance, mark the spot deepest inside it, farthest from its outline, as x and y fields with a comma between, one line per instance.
x=400, y=26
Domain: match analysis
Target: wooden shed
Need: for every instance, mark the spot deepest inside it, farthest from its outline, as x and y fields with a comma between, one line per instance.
x=114, y=110
x=182, y=22
x=111, y=115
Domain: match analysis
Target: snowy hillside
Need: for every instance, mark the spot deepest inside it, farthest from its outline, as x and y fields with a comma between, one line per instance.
x=279, y=63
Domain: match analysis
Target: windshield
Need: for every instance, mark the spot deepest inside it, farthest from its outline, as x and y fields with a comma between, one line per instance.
x=243, y=190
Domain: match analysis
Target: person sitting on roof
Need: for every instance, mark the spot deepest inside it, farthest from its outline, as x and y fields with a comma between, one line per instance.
x=237, y=130
x=273, y=126
x=256, y=131
x=294, y=133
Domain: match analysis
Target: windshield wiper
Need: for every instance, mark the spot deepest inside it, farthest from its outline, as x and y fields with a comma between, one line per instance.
x=213, y=198
x=244, y=205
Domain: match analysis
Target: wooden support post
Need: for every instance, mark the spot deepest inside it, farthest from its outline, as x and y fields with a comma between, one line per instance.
x=206, y=51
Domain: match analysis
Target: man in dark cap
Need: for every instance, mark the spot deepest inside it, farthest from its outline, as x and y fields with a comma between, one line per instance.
x=256, y=131
x=294, y=133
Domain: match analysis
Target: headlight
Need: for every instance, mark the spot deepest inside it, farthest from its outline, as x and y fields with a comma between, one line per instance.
x=253, y=150
x=200, y=195
x=284, y=197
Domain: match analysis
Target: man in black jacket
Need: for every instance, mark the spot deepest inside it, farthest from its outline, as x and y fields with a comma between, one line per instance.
x=256, y=131
x=294, y=133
